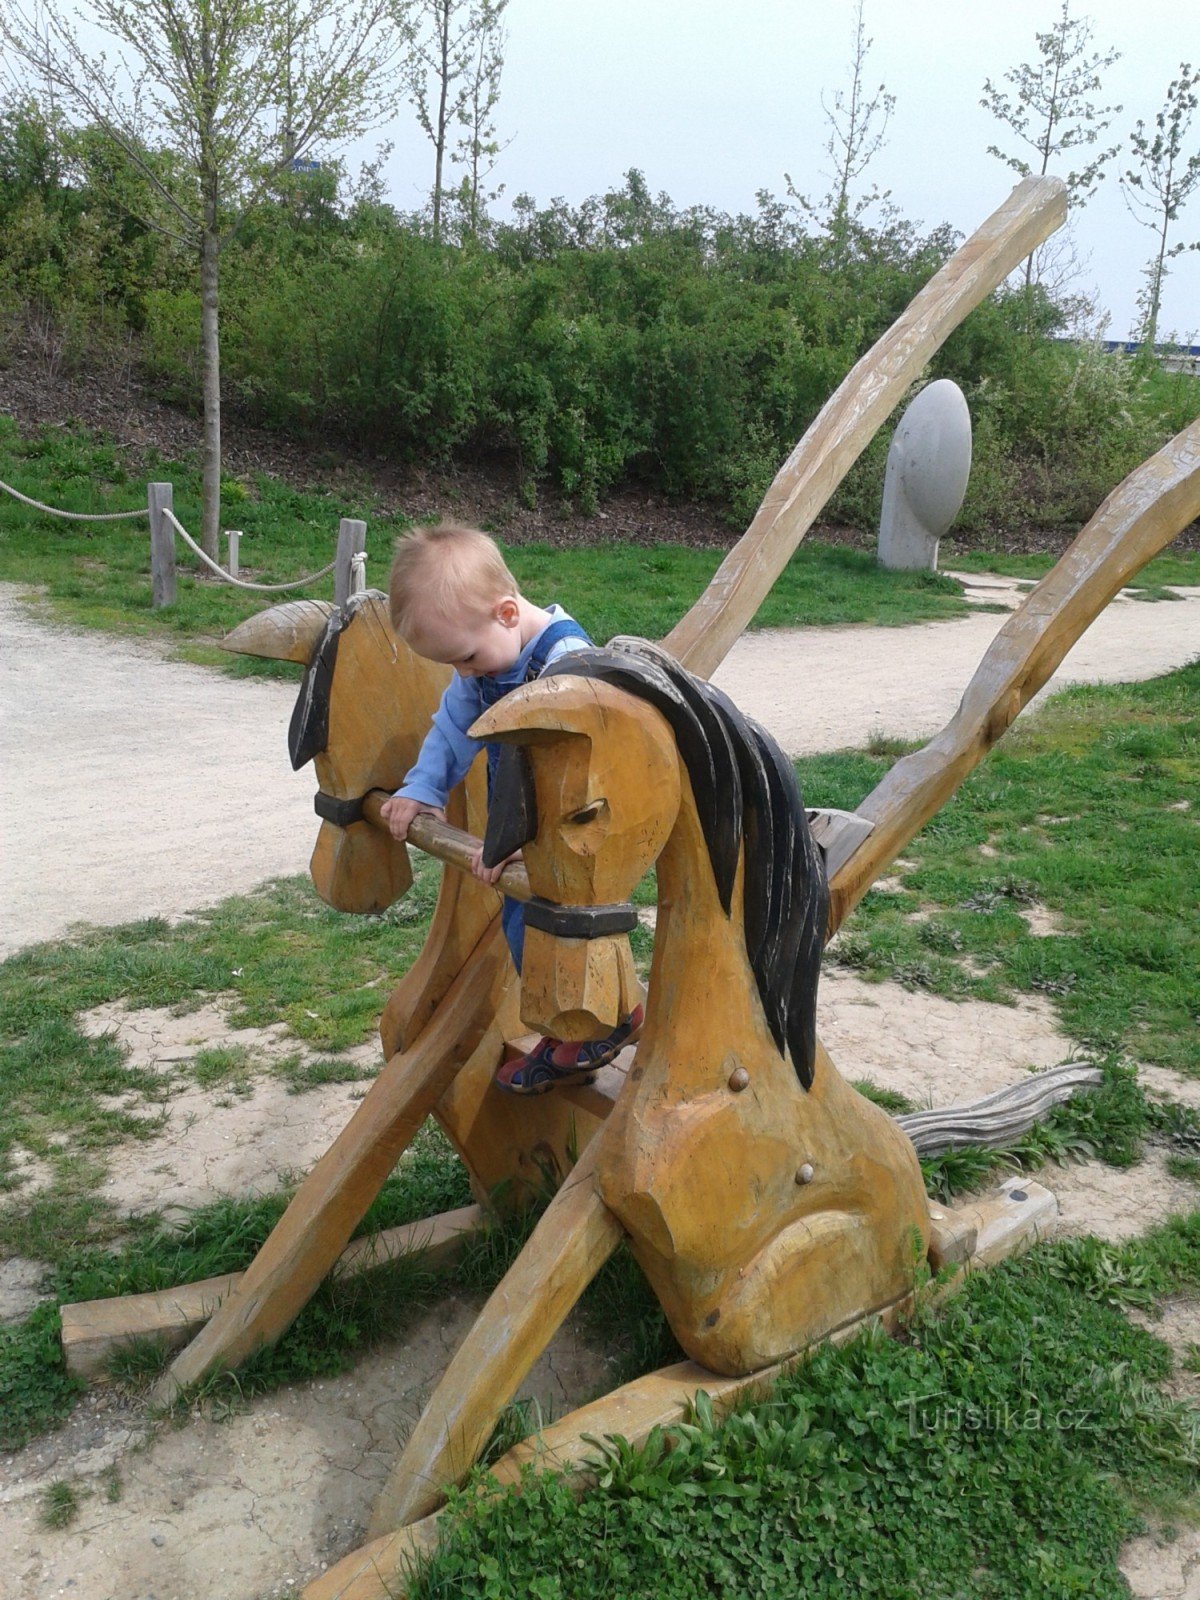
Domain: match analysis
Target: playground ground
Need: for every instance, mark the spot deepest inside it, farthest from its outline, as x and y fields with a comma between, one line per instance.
x=137, y=787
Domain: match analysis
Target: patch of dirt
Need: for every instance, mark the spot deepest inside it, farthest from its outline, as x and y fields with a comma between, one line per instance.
x=935, y=1052
x=219, y=1141
x=20, y=1284
x=1118, y=1203
x=252, y=1506
x=1160, y=1568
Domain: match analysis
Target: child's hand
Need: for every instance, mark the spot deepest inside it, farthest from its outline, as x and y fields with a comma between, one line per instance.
x=398, y=814
x=490, y=875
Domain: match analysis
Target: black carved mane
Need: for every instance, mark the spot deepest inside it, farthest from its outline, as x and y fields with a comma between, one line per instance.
x=746, y=791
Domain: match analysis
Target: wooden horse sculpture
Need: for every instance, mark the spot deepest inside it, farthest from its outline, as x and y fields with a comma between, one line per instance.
x=767, y=1202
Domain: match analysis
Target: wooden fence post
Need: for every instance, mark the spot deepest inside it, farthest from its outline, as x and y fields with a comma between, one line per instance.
x=352, y=537
x=162, y=546
x=234, y=535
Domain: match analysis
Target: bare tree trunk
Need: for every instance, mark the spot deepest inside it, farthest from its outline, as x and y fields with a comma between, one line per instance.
x=210, y=251
x=440, y=141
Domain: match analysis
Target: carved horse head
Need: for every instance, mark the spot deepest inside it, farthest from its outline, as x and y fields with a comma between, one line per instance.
x=363, y=709
x=593, y=808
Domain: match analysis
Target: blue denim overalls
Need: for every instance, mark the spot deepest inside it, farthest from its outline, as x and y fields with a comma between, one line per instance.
x=512, y=912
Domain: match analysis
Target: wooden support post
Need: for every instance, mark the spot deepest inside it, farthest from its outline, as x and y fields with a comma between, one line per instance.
x=332, y=1200
x=162, y=546
x=568, y=1247
x=234, y=535
x=352, y=538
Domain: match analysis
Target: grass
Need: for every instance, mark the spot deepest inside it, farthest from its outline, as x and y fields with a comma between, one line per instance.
x=97, y=575
x=1182, y=568
x=1003, y=1449
x=1090, y=809
x=275, y=956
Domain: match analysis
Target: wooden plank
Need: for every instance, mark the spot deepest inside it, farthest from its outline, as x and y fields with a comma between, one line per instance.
x=333, y=1199
x=1140, y=517
x=853, y=415
x=952, y=1236
x=1004, y=1223
x=93, y=1329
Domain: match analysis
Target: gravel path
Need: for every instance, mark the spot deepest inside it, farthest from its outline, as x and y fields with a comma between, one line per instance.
x=132, y=786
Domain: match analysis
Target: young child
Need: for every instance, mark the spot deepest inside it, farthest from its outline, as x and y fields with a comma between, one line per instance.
x=453, y=599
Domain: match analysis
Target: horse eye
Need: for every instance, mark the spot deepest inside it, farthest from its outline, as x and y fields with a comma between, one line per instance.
x=589, y=813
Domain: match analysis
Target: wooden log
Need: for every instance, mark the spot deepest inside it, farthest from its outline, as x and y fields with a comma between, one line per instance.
x=853, y=415
x=332, y=1200
x=93, y=1329
x=162, y=545
x=998, y=1118
x=352, y=539
x=1011, y=1220
x=570, y=1244
x=1140, y=517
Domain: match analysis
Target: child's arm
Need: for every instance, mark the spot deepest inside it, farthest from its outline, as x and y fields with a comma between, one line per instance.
x=445, y=757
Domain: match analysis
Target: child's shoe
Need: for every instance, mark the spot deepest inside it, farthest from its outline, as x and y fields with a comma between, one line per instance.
x=555, y=1061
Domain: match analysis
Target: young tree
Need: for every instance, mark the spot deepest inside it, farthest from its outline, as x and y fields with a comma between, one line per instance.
x=1159, y=185
x=210, y=78
x=479, y=148
x=857, y=122
x=1051, y=110
x=456, y=64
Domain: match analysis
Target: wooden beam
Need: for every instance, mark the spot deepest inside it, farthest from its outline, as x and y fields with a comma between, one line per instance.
x=853, y=415
x=333, y=1199
x=451, y=845
x=1142, y=515
x=572, y=1241
x=93, y=1329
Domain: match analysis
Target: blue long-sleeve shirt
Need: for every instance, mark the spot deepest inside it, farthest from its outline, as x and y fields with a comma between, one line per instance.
x=448, y=751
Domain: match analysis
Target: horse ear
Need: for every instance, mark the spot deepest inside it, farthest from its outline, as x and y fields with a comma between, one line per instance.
x=286, y=632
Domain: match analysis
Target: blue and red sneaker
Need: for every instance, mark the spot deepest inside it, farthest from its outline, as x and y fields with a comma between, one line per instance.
x=559, y=1061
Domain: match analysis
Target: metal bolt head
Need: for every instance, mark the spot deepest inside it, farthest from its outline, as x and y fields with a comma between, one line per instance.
x=806, y=1173
x=739, y=1079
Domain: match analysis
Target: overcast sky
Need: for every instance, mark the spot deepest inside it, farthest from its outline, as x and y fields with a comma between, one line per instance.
x=716, y=99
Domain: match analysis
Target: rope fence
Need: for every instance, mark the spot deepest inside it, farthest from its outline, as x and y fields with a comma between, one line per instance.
x=73, y=516
x=241, y=583
x=348, y=565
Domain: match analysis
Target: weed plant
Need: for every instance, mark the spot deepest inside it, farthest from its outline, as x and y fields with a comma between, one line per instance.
x=1002, y=1450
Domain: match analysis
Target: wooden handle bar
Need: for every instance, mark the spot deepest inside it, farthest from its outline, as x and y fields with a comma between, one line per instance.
x=451, y=845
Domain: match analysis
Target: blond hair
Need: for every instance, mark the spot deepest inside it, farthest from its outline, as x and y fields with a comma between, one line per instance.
x=445, y=569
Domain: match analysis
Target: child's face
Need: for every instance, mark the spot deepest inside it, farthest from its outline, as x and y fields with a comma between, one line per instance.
x=477, y=645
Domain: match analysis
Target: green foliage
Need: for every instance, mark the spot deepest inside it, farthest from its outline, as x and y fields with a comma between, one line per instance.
x=36, y=1391
x=60, y=1504
x=621, y=340
x=995, y=1454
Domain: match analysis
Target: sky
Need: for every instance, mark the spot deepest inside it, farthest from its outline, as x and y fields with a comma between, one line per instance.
x=716, y=99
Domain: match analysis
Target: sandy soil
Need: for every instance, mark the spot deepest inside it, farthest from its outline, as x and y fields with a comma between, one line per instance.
x=135, y=787
x=124, y=741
